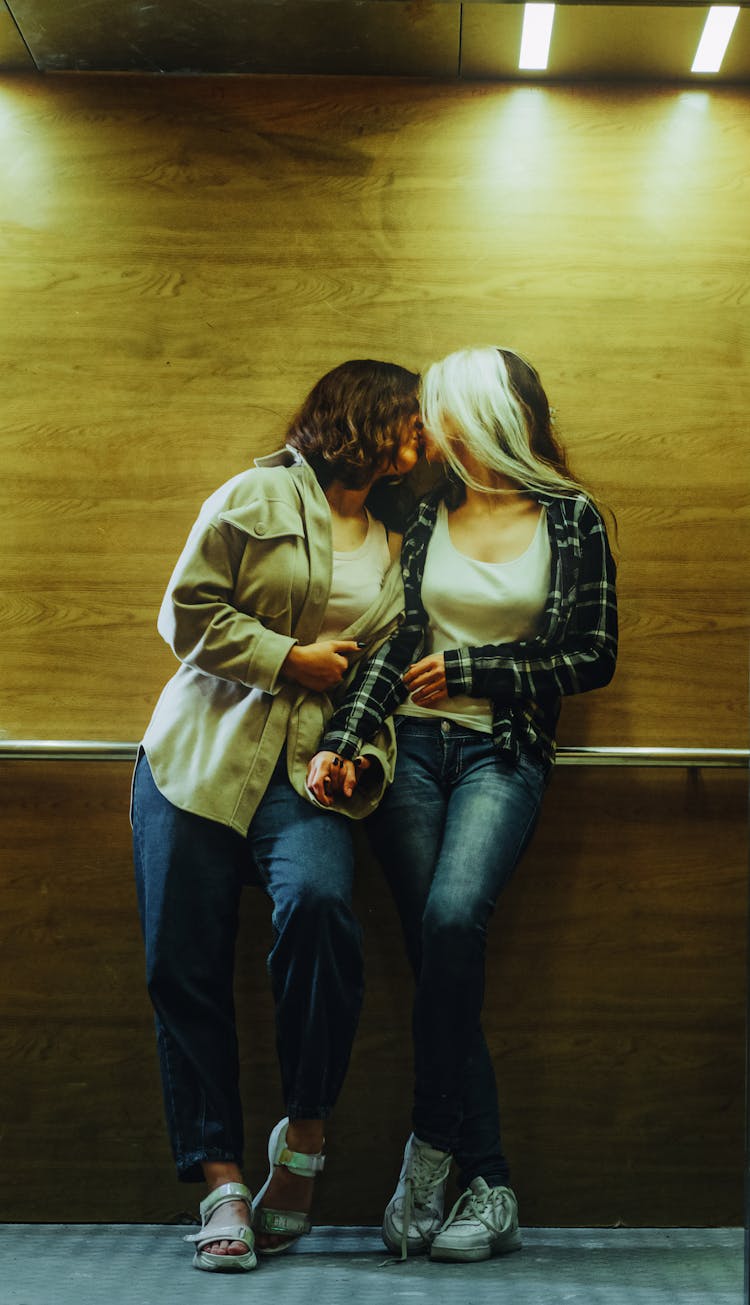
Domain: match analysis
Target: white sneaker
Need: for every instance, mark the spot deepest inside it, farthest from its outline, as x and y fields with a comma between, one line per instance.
x=483, y=1222
x=415, y=1211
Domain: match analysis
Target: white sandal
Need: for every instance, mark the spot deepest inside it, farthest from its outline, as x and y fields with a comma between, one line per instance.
x=235, y=1232
x=290, y=1224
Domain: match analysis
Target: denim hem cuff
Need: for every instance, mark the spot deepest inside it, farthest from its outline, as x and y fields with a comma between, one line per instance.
x=190, y=1167
x=492, y=1179
x=307, y=1112
x=432, y=1139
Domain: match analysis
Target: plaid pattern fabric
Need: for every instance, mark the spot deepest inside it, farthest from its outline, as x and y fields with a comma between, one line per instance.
x=575, y=651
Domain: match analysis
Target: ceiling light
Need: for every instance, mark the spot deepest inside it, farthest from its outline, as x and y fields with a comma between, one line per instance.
x=715, y=39
x=536, y=35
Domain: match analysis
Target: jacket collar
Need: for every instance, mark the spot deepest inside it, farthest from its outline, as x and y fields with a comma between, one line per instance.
x=286, y=457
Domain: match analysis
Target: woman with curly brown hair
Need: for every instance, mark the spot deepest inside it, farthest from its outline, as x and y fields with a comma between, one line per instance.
x=287, y=580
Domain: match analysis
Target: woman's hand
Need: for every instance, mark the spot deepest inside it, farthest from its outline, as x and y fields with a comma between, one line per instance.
x=328, y=773
x=319, y=666
x=426, y=681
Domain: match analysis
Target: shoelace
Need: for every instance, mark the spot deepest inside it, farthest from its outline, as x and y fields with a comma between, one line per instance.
x=477, y=1207
x=419, y=1186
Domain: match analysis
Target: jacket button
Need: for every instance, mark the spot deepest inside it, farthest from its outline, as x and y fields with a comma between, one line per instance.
x=260, y=529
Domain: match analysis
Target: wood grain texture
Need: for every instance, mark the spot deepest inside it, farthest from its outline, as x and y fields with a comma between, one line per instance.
x=183, y=260
x=614, y=1010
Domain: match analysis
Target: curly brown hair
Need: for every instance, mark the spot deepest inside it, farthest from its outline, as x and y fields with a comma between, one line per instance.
x=351, y=422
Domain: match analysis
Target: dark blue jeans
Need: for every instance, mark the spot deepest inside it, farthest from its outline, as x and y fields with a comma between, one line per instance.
x=189, y=875
x=449, y=834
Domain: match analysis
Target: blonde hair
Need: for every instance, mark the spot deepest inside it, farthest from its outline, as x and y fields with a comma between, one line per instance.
x=490, y=402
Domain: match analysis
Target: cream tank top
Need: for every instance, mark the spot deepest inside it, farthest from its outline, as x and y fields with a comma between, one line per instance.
x=470, y=603
x=357, y=580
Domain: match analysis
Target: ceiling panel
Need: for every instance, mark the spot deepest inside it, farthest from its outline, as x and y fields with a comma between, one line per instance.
x=13, y=52
x=422, y=38
x=641, y=42
x=243, y=36
x=736, y=65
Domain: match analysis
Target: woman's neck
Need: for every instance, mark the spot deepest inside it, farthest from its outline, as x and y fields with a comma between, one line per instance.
x=345, y=502
x=497, y=486
x=500, y=494
x=349, y=520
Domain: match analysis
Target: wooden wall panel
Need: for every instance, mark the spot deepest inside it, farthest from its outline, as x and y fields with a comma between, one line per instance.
x=614, y=1005
x=180, y=261
x=184, y=258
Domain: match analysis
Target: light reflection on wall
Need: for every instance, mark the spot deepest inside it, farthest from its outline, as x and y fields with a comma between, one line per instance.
x=26, y=186
x=678, y=162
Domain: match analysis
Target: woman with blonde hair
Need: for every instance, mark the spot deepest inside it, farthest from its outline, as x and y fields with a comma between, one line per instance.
x=510, y=605
x=287, y=580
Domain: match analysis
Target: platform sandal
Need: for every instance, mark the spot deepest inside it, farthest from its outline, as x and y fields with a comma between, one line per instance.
x=289, y=1224
x=227, y=1232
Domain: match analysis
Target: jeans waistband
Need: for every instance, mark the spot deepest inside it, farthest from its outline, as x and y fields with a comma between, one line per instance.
x=441, y=725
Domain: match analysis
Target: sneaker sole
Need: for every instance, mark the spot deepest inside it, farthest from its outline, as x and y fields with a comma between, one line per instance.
x=471, y=1254
x=412, y=1249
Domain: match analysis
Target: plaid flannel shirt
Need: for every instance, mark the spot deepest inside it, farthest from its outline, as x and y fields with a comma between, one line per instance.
x=575, y=650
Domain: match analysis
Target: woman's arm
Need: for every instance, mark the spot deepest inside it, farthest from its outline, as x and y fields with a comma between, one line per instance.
x=205, y=630
x=376, y=691
x=199, y=621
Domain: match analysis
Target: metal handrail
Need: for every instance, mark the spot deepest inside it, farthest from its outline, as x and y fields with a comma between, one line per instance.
x=102, y=750
x=713, y=757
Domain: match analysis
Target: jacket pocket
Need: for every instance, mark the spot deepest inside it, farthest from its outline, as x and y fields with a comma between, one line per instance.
x=273, y=560
x=265, y=519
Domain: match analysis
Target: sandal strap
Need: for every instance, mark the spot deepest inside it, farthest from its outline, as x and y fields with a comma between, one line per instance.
x=223, y=1233
x=221, y=1195
x=307, y=1166
x=284, y=1223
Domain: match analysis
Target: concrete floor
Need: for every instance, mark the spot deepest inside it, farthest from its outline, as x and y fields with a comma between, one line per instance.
x=44, y=1264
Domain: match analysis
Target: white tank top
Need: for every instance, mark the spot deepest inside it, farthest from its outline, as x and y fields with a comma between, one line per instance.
x=470, y=603
x=357, y=580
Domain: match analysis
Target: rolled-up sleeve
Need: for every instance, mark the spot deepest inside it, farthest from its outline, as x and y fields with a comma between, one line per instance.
x=376, y=692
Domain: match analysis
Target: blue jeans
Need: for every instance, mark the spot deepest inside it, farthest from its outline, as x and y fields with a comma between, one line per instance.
x=189, y=876
x=449, y=834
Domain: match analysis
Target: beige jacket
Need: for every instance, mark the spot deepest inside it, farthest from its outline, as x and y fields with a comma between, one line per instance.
x=253, y=579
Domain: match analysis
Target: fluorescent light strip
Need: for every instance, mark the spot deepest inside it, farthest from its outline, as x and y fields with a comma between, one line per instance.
x=713, y=44
x=536, y=36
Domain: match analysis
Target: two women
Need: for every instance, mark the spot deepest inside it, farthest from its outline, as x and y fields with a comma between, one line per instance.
x=510, y=605
x=286, y=581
